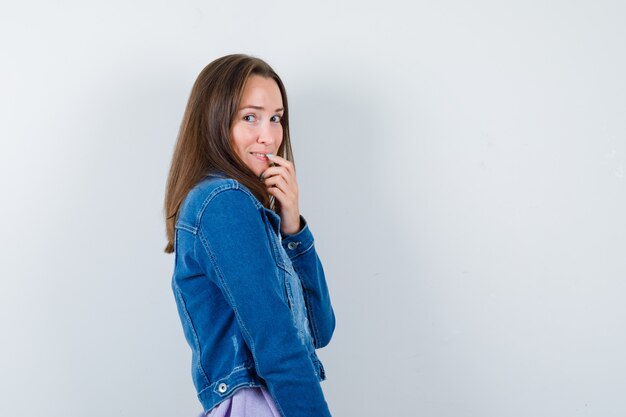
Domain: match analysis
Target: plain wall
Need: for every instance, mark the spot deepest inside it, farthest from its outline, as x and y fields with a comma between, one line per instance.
x=461, y=165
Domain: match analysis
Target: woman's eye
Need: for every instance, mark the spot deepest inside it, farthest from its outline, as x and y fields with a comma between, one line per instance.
x=277, y=118
x=248, y=115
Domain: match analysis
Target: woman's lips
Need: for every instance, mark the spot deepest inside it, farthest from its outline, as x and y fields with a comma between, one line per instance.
x=259, y=156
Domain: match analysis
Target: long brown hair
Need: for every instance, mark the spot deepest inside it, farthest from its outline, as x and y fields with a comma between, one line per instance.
x=203, y=145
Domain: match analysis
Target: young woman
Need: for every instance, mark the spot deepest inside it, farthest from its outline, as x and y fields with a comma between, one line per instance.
x=248, y=283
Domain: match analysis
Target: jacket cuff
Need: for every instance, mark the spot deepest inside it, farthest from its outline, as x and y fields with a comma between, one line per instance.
x=300, y=242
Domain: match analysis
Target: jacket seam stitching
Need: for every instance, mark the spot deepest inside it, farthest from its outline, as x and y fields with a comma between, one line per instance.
x=195, y=335
x=231, y=185
x=184, y=226
x=236, y=369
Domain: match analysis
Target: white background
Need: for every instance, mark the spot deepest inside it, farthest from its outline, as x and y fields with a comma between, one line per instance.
x=461, y=165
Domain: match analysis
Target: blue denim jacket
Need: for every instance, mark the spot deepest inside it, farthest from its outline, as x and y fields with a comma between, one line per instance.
x=253, y=302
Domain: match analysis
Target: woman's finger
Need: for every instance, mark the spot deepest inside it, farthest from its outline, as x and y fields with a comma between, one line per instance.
x=277, y=171
x=277, y=181
x=282, y=162
x=278, y=193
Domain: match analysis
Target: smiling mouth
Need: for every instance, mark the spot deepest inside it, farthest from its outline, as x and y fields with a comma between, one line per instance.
x=260, y=156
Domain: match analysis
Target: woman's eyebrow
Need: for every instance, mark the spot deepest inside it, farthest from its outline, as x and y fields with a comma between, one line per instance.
x=258, y=108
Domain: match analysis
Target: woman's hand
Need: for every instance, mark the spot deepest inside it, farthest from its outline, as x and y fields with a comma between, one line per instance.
x=280, y=181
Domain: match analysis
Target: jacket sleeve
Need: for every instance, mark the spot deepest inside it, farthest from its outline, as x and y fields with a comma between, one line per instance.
x=233, y=246
x=301, y=250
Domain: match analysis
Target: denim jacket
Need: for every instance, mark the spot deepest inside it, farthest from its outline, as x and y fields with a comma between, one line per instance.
x=253, y=302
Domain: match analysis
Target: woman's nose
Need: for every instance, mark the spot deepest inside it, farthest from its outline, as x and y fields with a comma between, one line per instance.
x=265, y=134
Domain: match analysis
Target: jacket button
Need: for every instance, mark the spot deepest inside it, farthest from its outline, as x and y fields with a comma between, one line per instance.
x=292, y=245
x=222, y=388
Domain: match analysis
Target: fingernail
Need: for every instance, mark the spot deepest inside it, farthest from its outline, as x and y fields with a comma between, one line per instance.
x=269, y=155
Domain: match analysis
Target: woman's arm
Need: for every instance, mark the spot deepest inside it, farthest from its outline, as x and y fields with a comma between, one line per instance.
x=301, y=250
x=234, y=249
x=280, y=181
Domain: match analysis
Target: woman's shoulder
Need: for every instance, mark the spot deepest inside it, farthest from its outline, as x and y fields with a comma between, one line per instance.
x=206, y=195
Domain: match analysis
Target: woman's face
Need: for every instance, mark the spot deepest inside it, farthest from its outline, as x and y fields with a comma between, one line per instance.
x=256, y=128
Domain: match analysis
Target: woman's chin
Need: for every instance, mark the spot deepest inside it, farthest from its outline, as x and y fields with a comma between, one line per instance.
x=258, y=169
